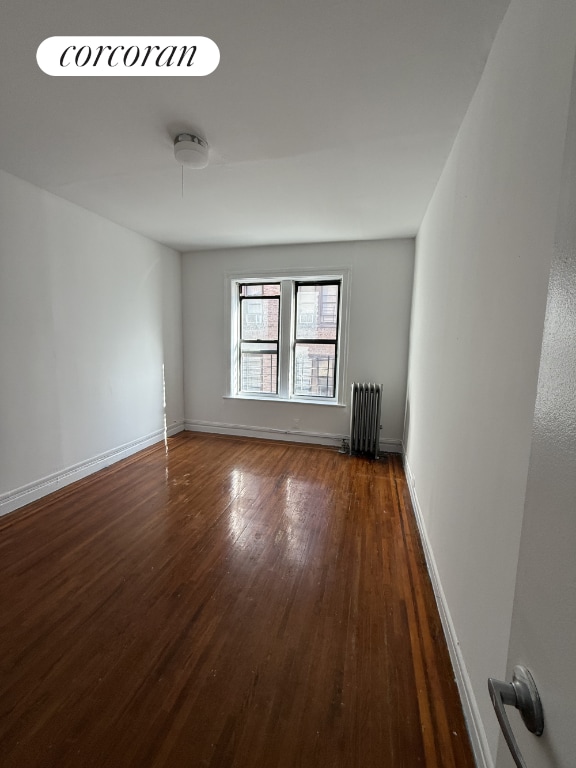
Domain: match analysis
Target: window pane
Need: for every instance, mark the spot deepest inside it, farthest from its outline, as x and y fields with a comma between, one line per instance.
x=259, y=319
x=259, y=368
x=314, y=366
x=268, y=289
x=317, y=312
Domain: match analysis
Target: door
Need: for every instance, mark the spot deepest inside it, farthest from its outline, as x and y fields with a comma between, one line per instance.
x=543, y=636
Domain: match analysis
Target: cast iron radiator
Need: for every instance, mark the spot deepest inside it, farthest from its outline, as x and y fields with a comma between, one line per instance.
x=365, y=419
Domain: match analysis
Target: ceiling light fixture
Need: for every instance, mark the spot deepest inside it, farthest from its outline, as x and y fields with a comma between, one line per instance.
x=191, y=151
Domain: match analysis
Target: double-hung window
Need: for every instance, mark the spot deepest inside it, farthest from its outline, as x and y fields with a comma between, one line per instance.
x=286, y=338
x=259, y=338
x=315, y=339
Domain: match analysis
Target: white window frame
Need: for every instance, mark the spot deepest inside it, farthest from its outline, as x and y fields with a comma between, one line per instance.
x=287, y=280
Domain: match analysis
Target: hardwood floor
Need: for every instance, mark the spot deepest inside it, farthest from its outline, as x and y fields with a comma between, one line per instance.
x=227, y=603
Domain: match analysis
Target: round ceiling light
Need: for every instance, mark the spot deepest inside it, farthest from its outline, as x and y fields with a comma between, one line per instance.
x=191, y=150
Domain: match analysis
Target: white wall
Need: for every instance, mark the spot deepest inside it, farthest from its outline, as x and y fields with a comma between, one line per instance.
x=90, y=313
x=381, y=288
x=482, y=264
x=544, y=616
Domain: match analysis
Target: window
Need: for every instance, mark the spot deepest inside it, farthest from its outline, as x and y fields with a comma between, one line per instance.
x=286, y=338
x=315, y=339
x=259, y=337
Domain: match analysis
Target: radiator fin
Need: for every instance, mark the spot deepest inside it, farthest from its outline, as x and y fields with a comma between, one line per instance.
x=365, y=419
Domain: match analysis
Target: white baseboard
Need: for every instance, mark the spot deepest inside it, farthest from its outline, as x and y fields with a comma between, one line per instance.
x=36, y=490
x=476, y=731
x=291, y=436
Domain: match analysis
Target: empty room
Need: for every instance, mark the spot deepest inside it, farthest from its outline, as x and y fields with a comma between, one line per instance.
x=287, y=384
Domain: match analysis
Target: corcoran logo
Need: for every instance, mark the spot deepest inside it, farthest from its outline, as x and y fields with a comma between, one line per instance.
x=127, y=56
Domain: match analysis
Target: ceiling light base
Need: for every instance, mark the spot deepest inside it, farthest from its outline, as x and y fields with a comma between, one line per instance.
x=191, y=151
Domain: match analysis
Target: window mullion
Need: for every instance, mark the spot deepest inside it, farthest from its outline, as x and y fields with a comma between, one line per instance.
x=285, y=347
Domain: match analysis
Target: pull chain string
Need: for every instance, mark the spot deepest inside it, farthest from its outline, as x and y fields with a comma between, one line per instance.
x=182, y=181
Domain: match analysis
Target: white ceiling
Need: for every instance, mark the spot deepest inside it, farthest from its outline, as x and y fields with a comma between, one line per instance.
x=327, y=119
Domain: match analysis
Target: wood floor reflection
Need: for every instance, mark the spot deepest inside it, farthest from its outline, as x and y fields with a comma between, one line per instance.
x=227, y=603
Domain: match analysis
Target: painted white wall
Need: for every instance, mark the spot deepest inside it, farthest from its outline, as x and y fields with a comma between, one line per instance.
x=482, y=265
x=90, y=316
x=381, y=289
x=544, y=617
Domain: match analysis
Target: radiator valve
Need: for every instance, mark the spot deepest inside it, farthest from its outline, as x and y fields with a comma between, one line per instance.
x=345, y=446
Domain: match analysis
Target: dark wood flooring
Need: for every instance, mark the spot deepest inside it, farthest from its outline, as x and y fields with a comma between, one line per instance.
x=226, y=603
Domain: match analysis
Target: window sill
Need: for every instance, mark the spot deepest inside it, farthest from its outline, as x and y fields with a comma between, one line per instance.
x=276, y=399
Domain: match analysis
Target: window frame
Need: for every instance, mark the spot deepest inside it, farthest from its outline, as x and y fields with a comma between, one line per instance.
x=295, y=340
x=261, y=342
x=285, y=369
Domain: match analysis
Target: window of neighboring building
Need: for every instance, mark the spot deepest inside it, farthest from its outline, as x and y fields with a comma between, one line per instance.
x=286, y=338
